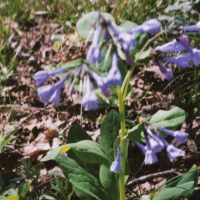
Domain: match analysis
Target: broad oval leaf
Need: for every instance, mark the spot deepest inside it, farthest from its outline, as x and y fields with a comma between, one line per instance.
x=84, y=24
x=175, y=192
x=80, y=178
x=90, y=152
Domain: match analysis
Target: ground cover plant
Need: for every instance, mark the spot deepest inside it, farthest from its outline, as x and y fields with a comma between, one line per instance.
x=99, y=100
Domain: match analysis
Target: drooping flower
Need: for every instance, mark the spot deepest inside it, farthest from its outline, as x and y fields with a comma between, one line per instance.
x=150, y=154
x=89, y=100
x=51, y=93
x=179, y=135
x=194, y=53
x=150, y=26
x=94, y=53
x=126, y=39
x=156, y=144
x=102, y=83
x=172, y=151
x=114, y=77
x=174, y=45
x=195, y=27
x=42, y=76
x=182, y=61
x=116, y=166
x=142, y=147
x=167, y=72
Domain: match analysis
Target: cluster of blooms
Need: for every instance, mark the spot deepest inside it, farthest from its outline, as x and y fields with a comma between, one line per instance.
x=178, y=45
x=154, y=144
x=51, y=93
x=127, y=39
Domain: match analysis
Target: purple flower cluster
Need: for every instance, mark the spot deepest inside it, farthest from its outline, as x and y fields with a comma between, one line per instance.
x=155, y=143
x=51, y=93
x=183, y=60
x=113, y=78
x=125, y=39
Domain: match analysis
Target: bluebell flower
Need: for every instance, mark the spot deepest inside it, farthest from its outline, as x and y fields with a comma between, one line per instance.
x=150, y=154
x=102, y=83
x=174, y=45
x=150, y=26
x=114, y=77
x=155, y=142
x=51, y=93
x=194, y=53
x=94, y=53
x=167, y=72
x=172, y=151
x=179, y=135
x=42, y=76
x=126, y=39
x=195, y=27
x=89, y=100
x=116, y=166
x=182, y=61
x=142, y=147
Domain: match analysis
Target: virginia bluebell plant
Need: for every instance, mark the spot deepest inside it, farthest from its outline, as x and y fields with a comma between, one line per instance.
x=125, y=41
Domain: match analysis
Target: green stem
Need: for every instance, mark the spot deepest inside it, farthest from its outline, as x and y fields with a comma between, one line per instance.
x=122, y=92
x=122, y=144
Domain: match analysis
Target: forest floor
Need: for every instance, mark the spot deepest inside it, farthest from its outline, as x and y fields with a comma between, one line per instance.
x=44, y=43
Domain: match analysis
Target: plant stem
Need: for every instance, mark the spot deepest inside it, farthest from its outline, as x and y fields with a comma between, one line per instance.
x=122, y=92
x=122, y=144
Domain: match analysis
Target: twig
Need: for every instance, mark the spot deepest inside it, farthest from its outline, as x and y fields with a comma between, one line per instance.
x=150, y=176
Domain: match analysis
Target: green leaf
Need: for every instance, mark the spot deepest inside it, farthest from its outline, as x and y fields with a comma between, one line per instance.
x=109, y=132
x=25, y=189
x=175, y=192
x=84, y=24
x=76, y=134
x=52, y=154
x=80, y=178
x=82, y=195
x=171, y=119
x=72, y=64
x=86, y=150
x=109, y=180
x=90, y=152
x=193, y=176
